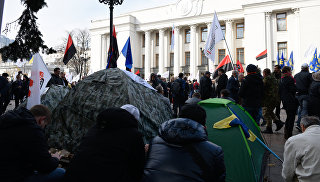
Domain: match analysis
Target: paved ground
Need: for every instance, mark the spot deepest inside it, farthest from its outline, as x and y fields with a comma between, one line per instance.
x=276, y=142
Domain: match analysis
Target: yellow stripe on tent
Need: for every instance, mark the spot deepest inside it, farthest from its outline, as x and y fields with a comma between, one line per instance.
x=225, y=123
x=252, y=137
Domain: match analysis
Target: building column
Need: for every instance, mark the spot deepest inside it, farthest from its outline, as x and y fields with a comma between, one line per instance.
x=96, y=52
x=210, y=62
x=176, y=51
x=269, y=40
x=147, y=62
x=104, y=52
x=229, y=39
x=193, y=51
x=161, y=51
x=296, y=55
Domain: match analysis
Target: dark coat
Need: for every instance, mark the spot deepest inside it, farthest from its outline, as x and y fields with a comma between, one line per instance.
x=17, y=88
x=205, y=88
x=4, y=87
x=55, y=80
x=23, y=147
x=287, y=91
x=303, y=82
x=110, y=151
x=251, y=91
x=314, y=99
x=169, y=159
x=233, y=86
x=222, y=83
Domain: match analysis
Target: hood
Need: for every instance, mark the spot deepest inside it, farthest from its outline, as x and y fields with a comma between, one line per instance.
x=15, y=118
x=182, y=131
x=114, y=118
x=254, y=78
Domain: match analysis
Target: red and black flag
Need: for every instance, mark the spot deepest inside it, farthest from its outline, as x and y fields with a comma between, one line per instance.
x=239, y=67
x=225, y=64
x=113, y=52
x=262, y=55
x=70, y=51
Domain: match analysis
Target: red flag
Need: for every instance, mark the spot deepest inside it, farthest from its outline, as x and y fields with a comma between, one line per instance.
x=262, y=55
x=138, y=72
x=224, y=64
x=239, y=67
x=70, y=51
x=113, y=53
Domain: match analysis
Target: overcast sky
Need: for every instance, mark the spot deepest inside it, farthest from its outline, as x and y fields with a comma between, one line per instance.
x=65, y=15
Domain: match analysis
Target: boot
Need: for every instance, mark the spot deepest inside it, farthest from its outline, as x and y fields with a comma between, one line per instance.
x=268, y=130
x=279, y=125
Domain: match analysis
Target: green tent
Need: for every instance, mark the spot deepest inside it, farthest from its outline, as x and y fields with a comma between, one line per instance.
x=245, y=160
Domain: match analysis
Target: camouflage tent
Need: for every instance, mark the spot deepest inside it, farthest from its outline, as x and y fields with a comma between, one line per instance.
x=99, y=91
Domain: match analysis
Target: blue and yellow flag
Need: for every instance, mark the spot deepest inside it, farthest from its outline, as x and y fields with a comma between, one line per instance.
x=234, y=121
x=314, y=64
x=290, y=61
x=281, y=64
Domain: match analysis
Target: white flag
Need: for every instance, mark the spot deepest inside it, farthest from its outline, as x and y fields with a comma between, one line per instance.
x=40, y=76
x=214, y=37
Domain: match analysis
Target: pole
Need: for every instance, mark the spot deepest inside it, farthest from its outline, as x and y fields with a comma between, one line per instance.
x=111, y=21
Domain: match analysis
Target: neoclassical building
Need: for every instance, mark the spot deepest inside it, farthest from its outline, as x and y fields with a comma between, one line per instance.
x=250, y=27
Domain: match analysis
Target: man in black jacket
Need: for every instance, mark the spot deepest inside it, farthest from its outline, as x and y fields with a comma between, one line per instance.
x=4, y=92
x=17, y=91
x=233, y=86
x=182, y=151
x=55, y=78
x=221, y=82
x=303, y=82
x=206, y=86
x=24, y=149
x=178, y=93
x=251, y=92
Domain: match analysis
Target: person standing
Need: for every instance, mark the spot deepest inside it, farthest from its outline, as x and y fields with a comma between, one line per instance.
x=287, y=94
x=4, y=92
x=17, y=91
x=206, y=86
x=221, y=82
x=178, y=94
x=25, y=85
x=55, y=78
x=251, y=92
x=314, y=96
x=233, y=86
x=277, y=74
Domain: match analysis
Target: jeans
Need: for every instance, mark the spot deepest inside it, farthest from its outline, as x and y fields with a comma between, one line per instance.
x=55, y=176
x=303, y=104
x=254, y=112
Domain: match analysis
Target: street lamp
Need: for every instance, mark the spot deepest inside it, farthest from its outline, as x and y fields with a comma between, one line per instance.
x=111, y=3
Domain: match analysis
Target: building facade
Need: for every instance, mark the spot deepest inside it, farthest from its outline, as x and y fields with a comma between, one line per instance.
x=249, y=26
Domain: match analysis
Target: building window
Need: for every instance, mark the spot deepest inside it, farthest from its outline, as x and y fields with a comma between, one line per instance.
x=157, y=61
x=143, y=60
x=240, y=30
x=282, y=22
x=187, y=35
x=221, y=54
x=171, y=59
x=240, y=55
x=187, y=60
x=143, y=40
x=223, y=28
x=157, y=39
x=204, y=34
x=204, y=59
x=282, y=48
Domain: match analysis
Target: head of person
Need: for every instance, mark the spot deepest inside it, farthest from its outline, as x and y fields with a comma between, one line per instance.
x=18, y=77
x=309, y=121
x=42, y=115
x=159, y=76
x=304, y=67
x=207, y=74
x=194, y=112
x=235, y=73
x=159, y=89
x=25, y=77
x=221, y=71
x=5, y=75
x=56, y=71
x=251, y=69
x=286, y=70
x=180, y=75
x=316, y=76
x=152, y=76
x=225, y=93
x=63, y=75
x=277, y=69
x=185, y=79
x=266, y=72
x=196, y=95
x=241, y=77
x=172, y=79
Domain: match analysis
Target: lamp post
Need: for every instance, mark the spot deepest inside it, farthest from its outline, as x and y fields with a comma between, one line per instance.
x=111, y=3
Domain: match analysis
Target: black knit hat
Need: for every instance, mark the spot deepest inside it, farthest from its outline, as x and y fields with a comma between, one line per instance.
x=251, y=68
x=194, y=112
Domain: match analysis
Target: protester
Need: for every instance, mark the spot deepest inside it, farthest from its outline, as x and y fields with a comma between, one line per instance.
x=302, y=153
x=182, y=151
x=18, y=92
x=233, y=86
x=178, y=94
x=154, y=81
x=221, y=81
x=196, y=98
x=187, y=89
x=24, y=155
x=206, y=86
x=196, y=85
x=64, y=79
x=25, y=85
x=225, y=94
x=55, y=78
x=269, y=101
x=314, y=97
x=159, y=89
x=251, y=92
x=4, y=92
x=164, y=85
x=277, y=74
x=240, y=78
x=170, y=89
x=287, y=94
x=112, y=150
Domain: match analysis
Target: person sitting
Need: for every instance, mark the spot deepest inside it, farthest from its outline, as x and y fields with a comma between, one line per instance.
x=112, y=150
x=24, y=155
x=196, y=97
x=225, y=94
x=182, y=151
x=302, y=152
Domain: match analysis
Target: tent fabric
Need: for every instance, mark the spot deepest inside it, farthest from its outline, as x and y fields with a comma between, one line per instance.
x=245, y=160
x=77, y=112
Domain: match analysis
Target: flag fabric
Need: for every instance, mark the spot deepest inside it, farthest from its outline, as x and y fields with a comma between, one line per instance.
x=318, y=63
x=40, y=76
x=126, y=52
x=239, y=67
x=31, y=60
x=262, y=55
x=113, y=52
x=70, y=51
x=314, y=64
x=224, y=64
x=214, y=37
x=290, y=61
x=138, y=72
x=172, y=38
x=281, y=61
